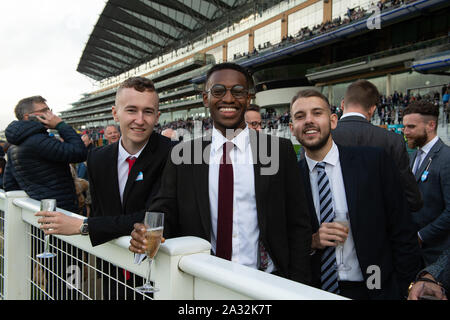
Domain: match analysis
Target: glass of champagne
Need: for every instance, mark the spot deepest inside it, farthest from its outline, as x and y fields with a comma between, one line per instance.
x=47, y=205
x=341, y=217
x=154, y=224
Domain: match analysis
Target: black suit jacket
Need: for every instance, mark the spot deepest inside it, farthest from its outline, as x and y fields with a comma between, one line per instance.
x=357, y=131
x=110, y=219
x=283, y=216
x=381, y=224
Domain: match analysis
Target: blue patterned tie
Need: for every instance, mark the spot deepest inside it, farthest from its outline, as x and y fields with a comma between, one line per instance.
x=328, y=270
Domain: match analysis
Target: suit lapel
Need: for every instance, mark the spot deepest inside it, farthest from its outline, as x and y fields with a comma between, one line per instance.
x=261, y=181
x=111, y=164
x=428, y=159
x=142, y=162
x=349, y=169
x=315, y=223
x=200, y=180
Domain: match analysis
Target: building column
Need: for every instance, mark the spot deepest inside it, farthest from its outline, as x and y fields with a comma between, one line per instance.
x=327, y=10
x=388, y=85
x=251, y=41
x=225, y=52
x=284, y=26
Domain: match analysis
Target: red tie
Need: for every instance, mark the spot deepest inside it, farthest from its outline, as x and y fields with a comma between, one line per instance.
x=131, y=160
x=225, y=205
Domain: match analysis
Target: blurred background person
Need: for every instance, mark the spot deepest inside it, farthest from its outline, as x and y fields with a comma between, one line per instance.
x=112, y=134
x=253, y=117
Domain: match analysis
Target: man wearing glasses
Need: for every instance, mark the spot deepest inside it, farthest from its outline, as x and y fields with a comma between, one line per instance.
x=225, y=192
x=253, y=117
x=38, y=163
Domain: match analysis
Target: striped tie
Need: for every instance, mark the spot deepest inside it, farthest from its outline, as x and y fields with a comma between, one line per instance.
x=328, y=271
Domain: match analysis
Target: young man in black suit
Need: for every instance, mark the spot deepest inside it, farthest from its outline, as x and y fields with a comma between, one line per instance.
x=354, y=129
x=124, y=176
x=380, y=243
x=251, y=207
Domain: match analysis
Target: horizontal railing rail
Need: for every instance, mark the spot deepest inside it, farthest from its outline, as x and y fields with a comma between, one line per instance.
x=182, y=269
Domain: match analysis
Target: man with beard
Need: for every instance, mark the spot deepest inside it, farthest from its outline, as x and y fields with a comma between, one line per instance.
x=431, y=167
x=362, y=184
x=223, y=190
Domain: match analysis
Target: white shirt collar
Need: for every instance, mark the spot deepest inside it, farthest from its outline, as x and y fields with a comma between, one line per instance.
x=332, y=158
x=241, y=141
x=349, y=114
x=123, y=154
x=426, y=148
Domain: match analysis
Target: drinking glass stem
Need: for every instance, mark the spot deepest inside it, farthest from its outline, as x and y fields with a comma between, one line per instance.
x=150, y=261
x=342, y=254
x=46, y=243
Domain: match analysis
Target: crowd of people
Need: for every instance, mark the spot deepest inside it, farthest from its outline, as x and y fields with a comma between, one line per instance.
x=354, y=200
x=305, y=33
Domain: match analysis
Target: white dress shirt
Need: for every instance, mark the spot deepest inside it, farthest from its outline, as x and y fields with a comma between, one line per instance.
x=349, y=114
x=245, y=237
x=334, y=173
x=122, y=166
x=425, y=150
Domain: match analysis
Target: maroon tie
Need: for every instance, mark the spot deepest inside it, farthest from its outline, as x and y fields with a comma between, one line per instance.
x=225, y=204
x=131, y=160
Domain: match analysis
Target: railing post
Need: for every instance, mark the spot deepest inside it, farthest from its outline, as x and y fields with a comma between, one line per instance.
x=174, y=284
x=17, y=250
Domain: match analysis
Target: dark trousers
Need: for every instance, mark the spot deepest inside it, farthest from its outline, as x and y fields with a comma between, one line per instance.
x=354, y=290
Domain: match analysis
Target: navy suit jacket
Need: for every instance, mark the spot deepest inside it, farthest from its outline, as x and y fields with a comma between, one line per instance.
x=433, y=220
x=380, y=222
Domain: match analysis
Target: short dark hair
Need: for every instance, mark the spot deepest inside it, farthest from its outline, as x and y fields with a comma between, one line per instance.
x=229, y=66
x=253, y=107
x=308, y=93
x=423, y=107
x=26, y=105
x=140, y=84
x=363, y=93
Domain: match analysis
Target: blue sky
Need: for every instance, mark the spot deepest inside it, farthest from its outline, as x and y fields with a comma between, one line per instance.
x=42, y=42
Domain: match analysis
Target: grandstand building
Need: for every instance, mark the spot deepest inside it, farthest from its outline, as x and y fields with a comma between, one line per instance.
x=288, y=45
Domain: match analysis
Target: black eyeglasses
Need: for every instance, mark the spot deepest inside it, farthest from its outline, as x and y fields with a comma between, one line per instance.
x=254, y=124
x=219, y=91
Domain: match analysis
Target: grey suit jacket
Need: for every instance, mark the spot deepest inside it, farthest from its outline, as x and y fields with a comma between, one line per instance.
x=440, y=270
x=357, y=131
x=433, y=220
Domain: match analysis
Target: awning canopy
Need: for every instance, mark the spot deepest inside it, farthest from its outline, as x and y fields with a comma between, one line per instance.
x=132, y=32
x=435, y=64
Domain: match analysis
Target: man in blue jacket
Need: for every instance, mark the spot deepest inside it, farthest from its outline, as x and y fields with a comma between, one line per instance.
x=38, y=163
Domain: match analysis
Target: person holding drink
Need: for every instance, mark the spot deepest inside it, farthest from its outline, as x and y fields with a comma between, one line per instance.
x=124, y=177
x=221, y=191
x=359, y=207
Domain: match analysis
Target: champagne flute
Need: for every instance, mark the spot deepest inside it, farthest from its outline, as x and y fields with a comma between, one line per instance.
x=154, y=224
x=47, y=205
x=341, y=217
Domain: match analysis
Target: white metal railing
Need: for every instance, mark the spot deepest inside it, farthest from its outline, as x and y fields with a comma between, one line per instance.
x=183, y=267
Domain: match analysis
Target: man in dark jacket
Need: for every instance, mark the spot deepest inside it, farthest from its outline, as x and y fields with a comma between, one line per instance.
x=38, y=163
x=354, y=129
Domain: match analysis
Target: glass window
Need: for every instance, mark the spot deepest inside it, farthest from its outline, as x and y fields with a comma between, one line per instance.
x=270, y=33
x=307, y=17
x=237, y=48
x=217, y=53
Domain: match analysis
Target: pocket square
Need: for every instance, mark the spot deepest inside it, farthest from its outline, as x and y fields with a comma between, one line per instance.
x=140, y=176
